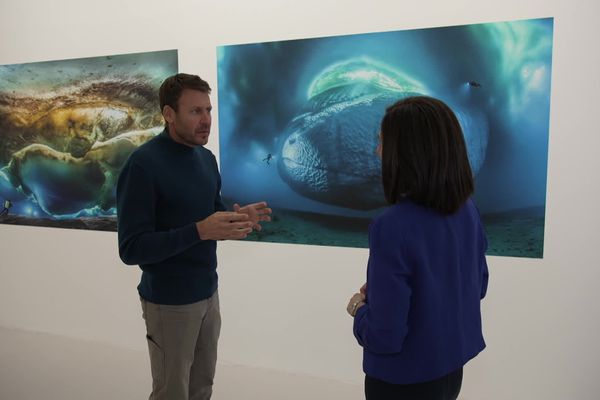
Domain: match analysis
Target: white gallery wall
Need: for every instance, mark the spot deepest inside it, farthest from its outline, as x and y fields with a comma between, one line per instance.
x=284, y=305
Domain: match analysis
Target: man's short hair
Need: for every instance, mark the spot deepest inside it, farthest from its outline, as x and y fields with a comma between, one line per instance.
x=172, y=87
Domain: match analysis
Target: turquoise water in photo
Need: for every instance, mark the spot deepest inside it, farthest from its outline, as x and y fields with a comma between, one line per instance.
x=518, y=233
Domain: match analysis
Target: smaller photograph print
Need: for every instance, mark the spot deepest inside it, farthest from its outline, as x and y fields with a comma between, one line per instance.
x=66, y=129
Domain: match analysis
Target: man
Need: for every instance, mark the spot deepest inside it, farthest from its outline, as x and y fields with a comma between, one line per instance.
x=170, y=215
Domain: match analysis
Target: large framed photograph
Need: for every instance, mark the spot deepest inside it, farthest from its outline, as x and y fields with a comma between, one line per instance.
x=298, y=125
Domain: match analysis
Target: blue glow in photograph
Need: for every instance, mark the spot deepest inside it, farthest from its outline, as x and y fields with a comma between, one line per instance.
x=299, y=120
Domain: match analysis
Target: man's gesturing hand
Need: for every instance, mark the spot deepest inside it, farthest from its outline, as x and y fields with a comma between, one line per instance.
x=224, y=225
x=257, y=212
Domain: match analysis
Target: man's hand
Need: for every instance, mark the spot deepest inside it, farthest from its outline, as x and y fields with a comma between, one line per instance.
x=256, y=212
x=224, y=225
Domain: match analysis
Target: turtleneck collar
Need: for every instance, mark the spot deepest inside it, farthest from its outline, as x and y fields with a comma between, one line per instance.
x=182, y=147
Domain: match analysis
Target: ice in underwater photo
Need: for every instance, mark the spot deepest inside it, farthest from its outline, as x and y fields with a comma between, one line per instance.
x=299, y=119
x=66, y=129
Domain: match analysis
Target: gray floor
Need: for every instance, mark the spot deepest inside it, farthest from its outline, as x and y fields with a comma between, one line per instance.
x=43, y=366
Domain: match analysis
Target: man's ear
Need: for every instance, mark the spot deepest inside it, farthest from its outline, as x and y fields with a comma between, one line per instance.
x=168, y=113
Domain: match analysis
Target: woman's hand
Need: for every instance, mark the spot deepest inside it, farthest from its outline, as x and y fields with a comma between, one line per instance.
x=357, y=301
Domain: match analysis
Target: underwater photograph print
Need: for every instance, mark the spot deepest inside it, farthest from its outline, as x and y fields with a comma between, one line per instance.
x=66, y=129
x=299, y=120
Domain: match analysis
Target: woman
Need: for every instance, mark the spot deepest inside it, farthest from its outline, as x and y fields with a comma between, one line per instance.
x=418, y=316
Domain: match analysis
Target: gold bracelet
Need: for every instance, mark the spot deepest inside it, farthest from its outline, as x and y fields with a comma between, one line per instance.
x=354, y=307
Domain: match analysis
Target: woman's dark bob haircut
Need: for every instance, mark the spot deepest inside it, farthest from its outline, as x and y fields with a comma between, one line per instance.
x=424, y=157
